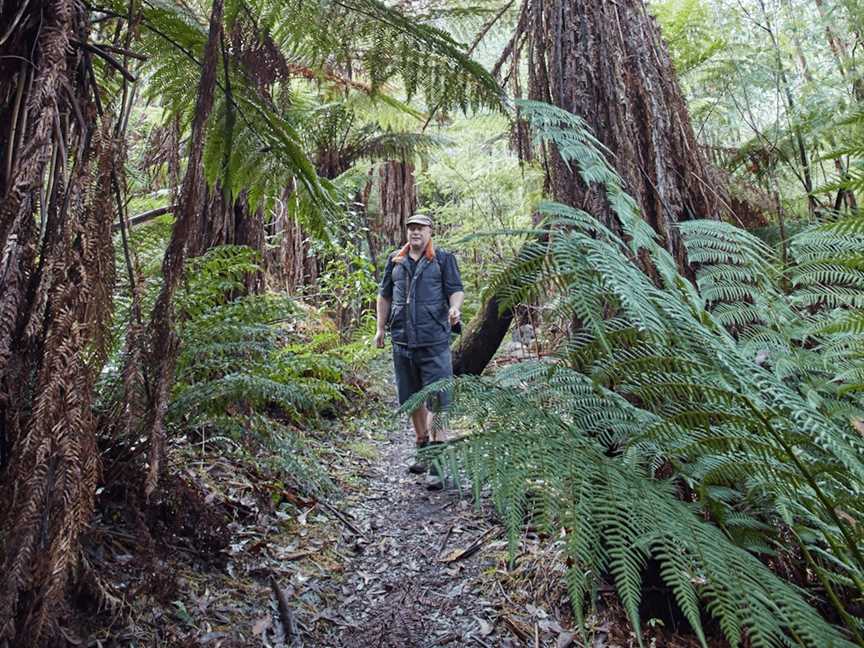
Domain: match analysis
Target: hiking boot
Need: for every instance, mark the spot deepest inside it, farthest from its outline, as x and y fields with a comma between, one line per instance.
x=434, y=482
x=420, y=465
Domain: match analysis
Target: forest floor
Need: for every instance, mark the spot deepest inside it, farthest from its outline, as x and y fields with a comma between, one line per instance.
x=384, y=563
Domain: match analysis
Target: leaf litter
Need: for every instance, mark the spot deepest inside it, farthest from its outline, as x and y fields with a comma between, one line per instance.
x=387, y=564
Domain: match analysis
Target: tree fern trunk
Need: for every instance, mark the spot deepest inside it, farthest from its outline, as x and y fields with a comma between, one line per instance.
x=230, y=224
x=163, y=345
x=56, y=278
x=606, y=63
x=398, y=199
x=290, y=265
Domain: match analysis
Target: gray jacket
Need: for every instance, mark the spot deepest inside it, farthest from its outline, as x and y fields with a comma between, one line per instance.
x=420, y=300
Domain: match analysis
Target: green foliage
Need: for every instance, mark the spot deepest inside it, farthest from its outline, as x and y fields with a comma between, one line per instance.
x=213, y=278
x=232, y=349
x=253, y=138
x=654, y=398
x=246, y=375
x=770, y=88
x=347, y=286
x=384, y=44
x=852, y=177
x=689, y=32
x=474, y=183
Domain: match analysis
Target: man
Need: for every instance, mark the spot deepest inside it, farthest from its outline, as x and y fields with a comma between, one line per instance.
x=421, y=298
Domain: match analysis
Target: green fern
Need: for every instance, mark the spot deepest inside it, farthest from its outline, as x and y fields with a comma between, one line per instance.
x=750, y=418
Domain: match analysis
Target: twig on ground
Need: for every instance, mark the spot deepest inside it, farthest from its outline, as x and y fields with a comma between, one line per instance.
x=342, y=518
x=445, y=539
x=516, y=629
x=286, y=616
x=492, y=533
x=299, y=554
x=444, y=506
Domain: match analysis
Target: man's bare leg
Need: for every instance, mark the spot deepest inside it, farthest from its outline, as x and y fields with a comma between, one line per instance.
x=436, y=427
x=420, y=419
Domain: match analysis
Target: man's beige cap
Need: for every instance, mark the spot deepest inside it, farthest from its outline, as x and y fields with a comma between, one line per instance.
x=419, y=219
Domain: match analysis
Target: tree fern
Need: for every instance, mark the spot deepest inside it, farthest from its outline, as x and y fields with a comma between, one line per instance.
x=654, y=378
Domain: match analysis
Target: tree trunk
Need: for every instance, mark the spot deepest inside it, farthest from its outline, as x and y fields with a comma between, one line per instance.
x=163, y=346
x=840, y=50
x=606, y=63
x=56, y=278
x=482, y=339
x=230, y=224
x=398, y=199
x=290, y=266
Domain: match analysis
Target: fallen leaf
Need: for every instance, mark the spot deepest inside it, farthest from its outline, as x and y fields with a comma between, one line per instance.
x=261, y=625
x=301, y=519
x=454, y=554
x=565, y=640
x=486, y=628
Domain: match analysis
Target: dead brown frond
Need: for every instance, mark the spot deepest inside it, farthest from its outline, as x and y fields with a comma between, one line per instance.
x=54, y=464
x=58, y=275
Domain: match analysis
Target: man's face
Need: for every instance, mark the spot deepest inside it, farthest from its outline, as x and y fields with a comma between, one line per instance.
x=419, y=235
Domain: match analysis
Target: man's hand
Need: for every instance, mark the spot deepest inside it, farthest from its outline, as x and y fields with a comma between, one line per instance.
x=382, y=312
x=455, y=315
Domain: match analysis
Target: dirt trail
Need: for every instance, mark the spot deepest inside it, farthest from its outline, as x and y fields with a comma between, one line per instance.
x=406, y=584
x=377, y=562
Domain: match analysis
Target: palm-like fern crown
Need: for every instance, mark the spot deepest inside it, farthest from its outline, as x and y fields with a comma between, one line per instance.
x=254, y=142
x=723, y=385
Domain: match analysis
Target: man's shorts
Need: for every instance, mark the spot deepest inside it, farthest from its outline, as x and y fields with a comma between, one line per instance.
x=415, y=368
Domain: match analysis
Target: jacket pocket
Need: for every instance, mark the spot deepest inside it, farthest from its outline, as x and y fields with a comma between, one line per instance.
x=395, y=320
x=436, y=319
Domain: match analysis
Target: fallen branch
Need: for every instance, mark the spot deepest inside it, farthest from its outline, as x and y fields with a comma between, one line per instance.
x=121, y=50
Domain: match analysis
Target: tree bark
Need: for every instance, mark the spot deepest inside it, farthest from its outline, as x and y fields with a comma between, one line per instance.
x=290, y=265
x=606, y=62
x=163, y=346
x=482, y=339
x=398, y=193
